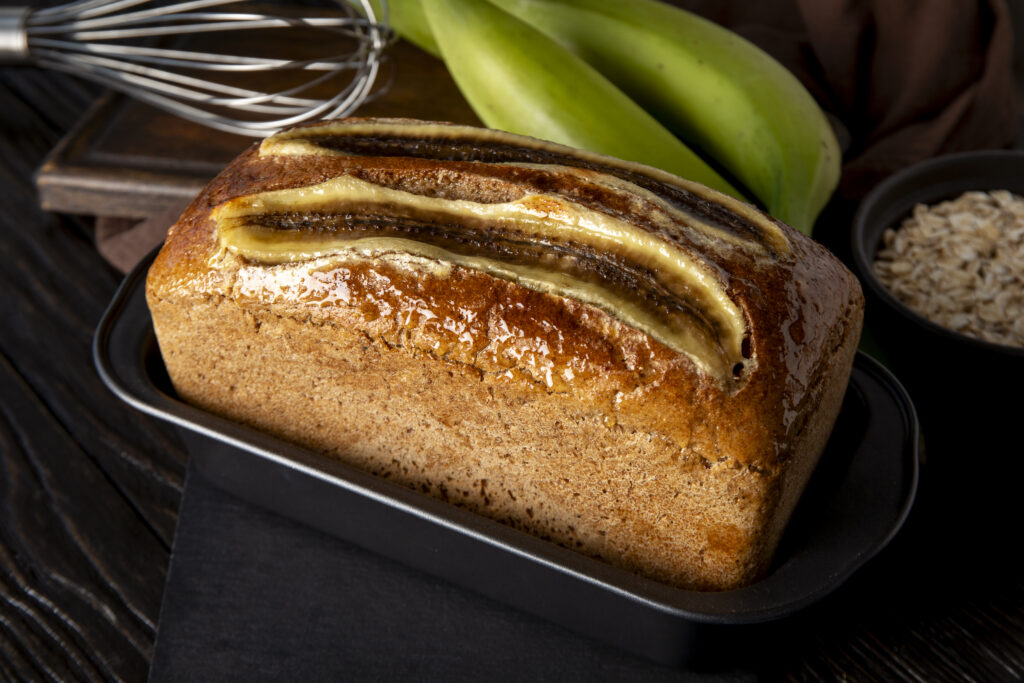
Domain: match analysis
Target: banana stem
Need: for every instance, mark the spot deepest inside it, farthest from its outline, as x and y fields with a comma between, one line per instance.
x=408, y=20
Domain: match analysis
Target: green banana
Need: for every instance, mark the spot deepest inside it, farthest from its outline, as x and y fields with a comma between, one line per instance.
x=519, y=80
x=718, y=92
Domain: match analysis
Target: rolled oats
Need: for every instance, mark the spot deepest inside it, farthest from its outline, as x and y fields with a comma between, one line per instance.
x=960, y=264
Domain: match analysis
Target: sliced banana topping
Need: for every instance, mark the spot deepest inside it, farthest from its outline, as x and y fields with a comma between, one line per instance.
x=542, y=241
x=706, y=211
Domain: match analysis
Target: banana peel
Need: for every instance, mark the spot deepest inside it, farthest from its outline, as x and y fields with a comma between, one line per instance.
x=720, y=93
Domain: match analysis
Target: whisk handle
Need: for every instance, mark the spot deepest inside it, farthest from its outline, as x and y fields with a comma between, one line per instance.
x=13, y=37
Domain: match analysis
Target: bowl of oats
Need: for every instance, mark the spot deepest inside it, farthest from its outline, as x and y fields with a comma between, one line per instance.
x=939, y=248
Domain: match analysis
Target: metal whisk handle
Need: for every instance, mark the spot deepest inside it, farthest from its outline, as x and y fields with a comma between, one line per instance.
x=13, y=37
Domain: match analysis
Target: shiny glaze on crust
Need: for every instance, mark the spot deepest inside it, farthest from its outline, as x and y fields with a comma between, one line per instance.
x=406, y=301
x=540, y=241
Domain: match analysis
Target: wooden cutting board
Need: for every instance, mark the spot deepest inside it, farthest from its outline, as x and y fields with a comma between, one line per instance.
x=129, y=160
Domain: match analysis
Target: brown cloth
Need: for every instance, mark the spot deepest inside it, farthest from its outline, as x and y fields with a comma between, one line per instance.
x=902, y=82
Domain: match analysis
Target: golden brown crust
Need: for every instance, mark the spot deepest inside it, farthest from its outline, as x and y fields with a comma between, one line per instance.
x=633, y=454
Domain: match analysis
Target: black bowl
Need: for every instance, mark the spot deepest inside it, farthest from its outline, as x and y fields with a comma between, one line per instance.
x=967, y=391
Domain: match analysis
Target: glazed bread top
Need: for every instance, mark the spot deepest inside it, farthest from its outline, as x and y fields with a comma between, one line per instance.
x=638, y=293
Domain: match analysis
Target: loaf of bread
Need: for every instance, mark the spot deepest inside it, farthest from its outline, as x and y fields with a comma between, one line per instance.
x=593, y=351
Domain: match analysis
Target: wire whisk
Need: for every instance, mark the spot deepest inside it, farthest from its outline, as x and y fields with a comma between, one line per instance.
x=110, y=42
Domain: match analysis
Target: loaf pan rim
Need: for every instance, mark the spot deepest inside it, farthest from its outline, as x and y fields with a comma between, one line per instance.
x=732, y=607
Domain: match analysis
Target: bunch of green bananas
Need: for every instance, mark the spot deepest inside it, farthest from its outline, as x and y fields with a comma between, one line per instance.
x=637, y=79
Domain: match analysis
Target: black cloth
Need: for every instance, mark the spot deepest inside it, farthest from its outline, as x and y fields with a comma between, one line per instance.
x=253, y=596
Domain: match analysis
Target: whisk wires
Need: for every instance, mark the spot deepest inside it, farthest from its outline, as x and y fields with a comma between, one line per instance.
x=80, y=38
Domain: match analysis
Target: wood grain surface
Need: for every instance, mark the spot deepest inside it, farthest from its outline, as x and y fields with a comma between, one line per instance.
x=89, y=489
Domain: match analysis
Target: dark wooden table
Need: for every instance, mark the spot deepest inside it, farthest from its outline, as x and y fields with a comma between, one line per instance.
x=89, y=489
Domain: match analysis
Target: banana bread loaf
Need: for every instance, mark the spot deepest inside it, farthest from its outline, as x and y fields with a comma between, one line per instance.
x=591, y=350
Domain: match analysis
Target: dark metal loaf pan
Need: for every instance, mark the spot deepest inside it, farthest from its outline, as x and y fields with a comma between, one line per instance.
x=858, y=499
